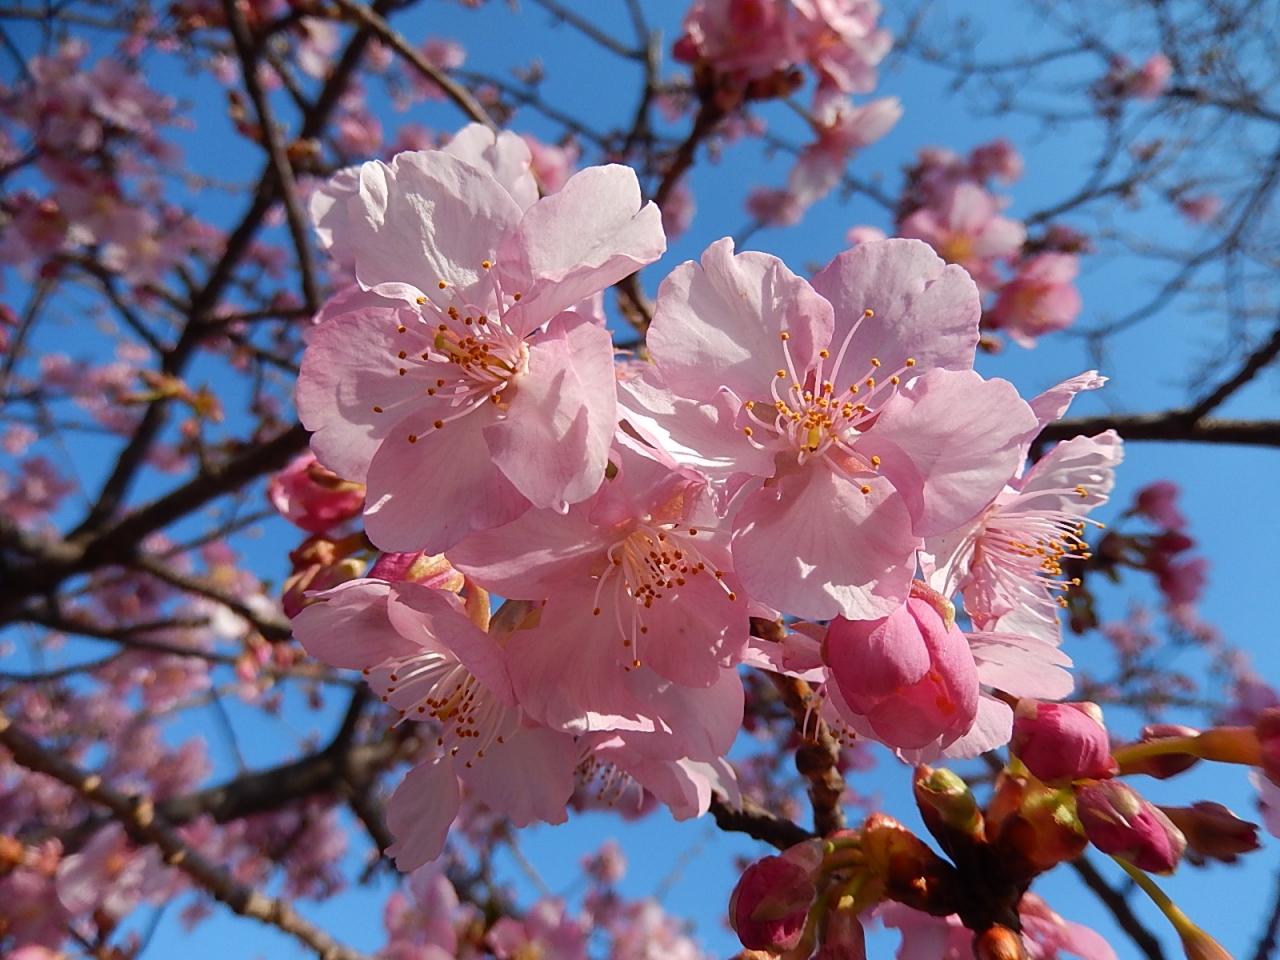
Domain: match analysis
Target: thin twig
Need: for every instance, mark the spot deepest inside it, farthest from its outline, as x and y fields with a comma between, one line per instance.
x=139, y=817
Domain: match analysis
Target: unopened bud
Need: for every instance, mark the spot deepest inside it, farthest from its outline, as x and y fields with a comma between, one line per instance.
x=1060, y=742
x=947, y=804
x=428, y=569
x=998, y=943
x=1119, y=821
x=1165, y=765
x=1212, y=831
x=907, y=869
x=770, y=904
x=1033, y=826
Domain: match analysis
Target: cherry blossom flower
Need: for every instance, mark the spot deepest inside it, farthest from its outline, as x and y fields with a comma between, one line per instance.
x=1041, y=298
x=748, y=38
x=1009, y=561
x=965, y=227
x=424, y=656
x=476, y=384
x=852, y=403
x=639, y=574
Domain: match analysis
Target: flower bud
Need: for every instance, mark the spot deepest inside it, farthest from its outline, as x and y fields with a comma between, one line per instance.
x=770, y=905
x=1165, y=765
x=843, y=937
x=998, y=943
x=1062, y=741
x=947, y=805
x=313, y=498
x=906, y=870
x=1214, y=832
x=1119, y=821
x=1032, y=826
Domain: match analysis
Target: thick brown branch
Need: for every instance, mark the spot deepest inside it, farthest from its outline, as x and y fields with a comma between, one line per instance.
x=757, y=822
x=1173, y=426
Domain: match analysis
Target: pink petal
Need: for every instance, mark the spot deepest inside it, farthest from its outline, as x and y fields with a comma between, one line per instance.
x=949, y=442
x=430, y=493
x=553, y=442
x=504, y=155
x=592, y=233
x=420, y=813
x=817, y=547
x=349, y=372
x=424, y=218
x=1022, y=666
x=719, y=324
x=350, y=627
x=923, y=307
x=528, y=779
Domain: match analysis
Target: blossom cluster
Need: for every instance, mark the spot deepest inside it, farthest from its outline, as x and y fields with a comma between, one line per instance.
x=821, y=449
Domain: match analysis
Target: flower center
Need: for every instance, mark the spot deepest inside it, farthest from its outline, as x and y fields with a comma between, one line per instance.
x=433, y=686
x=813, y=416
x=650, y=564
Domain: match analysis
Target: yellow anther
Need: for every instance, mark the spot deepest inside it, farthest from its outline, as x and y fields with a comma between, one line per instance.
x=402, y=371
x=751, y=404
x=486, y=264
x=517, y=296
x=785, y=335
x=875, y=461
x=748, y=431
x=420, y=300
x=413, y=438
x=910, y=362
x=438, y=424
x=377, y=409
x=401, y=329
x=875, y=362
x=867, y=314
x=442, y=285
x=895, y=380
x=871, y=381
x=781, y=374
x=865, y=488
x=402, y=354
x=824, y=354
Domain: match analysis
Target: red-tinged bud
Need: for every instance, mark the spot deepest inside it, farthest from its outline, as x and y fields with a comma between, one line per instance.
x=1213, y=832
x=1119, y=821
x=770, y=905
x=998, y=943
x=1165, y=765
x=314, y=498
x=1060, y=742
x=424, y=568
x=843, y=937
x=903, y=868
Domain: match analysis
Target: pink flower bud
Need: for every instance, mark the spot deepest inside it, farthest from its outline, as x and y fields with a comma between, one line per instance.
x=1062, y=741
x=313, y=498
x=843, y=938
x=910, y=674
x=1119, y=821
x=770, y=905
